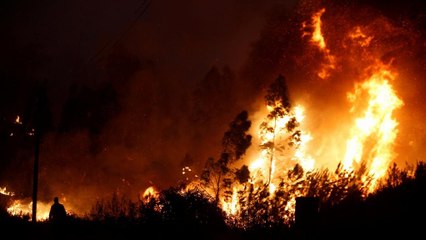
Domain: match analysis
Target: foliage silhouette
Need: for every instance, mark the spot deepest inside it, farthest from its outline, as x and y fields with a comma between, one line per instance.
x=217, y=175
x=391, y=211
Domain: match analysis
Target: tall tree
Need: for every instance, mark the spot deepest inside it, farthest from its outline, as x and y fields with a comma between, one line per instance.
x=235, y=142
x=280, y=122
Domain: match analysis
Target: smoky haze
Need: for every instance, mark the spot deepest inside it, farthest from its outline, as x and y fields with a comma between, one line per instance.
x=135, y=90
x=139, y=90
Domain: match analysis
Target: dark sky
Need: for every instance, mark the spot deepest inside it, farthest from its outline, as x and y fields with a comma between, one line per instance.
x=137, y=89
x=65, y=41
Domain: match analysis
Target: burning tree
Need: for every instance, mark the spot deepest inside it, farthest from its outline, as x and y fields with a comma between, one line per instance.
x=263, y=192
x=267, y=195
x=282, y=168
x=279, y=130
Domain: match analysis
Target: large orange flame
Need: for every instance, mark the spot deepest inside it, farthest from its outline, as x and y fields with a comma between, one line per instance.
x=374, y=132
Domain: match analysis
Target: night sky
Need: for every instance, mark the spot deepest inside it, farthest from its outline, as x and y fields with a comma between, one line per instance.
x=132, y=91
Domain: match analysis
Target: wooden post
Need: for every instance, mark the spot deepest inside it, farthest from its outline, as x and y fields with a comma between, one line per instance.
x=35, y=174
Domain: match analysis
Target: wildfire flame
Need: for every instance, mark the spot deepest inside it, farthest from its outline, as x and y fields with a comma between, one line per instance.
x=231, y=207
x=376, y=124
x=18, y=120
x=150, y=193
x=358, y=36
x=317, y=39
x=4, y=191
x=24, y=208
x=283, y=166
x=369, y=140
x=262, y=163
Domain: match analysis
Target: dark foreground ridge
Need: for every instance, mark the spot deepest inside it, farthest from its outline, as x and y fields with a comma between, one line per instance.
x=395, y=211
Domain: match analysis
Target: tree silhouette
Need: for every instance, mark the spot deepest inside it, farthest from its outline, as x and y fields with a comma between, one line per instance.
x=235, y=142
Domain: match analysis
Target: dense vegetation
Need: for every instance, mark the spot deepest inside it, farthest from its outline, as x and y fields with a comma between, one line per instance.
x=395, y=209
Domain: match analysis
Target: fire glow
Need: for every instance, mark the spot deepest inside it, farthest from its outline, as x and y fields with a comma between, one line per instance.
x=3, y=190
x=369, y=141
x=367, y=138
x=24, y=208
x=376, y=122
x=317, y=39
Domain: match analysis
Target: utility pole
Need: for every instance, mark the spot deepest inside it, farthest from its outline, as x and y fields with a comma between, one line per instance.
x=38, y=113
x=39, y=122
x=36, y=157
x=35, y=174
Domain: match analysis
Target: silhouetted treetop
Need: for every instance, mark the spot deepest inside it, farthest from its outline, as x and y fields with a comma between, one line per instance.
x=236, y=141
x=278, y=93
